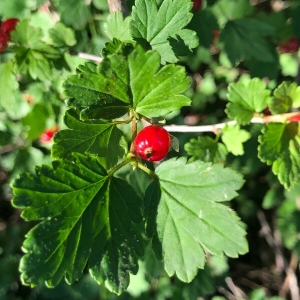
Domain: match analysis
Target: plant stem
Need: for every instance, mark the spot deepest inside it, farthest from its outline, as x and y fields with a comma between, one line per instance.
x=118, y=5
x=214, y=128
x=134, y=131
x=120, y=165
x=145, y=169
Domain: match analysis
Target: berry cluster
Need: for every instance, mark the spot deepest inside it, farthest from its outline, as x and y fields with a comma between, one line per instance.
x=291, y=46
x=6, y=28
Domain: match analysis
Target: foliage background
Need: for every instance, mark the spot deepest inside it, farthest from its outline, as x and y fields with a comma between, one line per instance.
x=238, y=41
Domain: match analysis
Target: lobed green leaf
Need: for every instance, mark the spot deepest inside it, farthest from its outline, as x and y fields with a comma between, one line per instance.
x=167, y=34
x=87, y=218
x=280, y=147
x=191, y=216
x=94, y=137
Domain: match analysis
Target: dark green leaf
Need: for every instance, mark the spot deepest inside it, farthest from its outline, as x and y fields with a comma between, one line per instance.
x=191, y=217
x=128, y=77
x=95, y=137
x=170, y=19
x=247, y=38
x=86, y=217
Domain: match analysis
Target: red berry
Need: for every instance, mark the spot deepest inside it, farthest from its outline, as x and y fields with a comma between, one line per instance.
x=152, y=143
x=9, y=25
x=3, y=40
x=197, y=4
x=295, y=118
x=48, y=134
x=291, y=46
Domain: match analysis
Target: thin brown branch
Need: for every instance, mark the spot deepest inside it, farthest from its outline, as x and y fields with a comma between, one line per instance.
x=118, y=5
x=291, y=282
x=10, y=147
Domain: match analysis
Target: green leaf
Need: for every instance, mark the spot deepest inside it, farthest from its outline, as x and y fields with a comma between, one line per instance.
x=94, y=137
x=226, y=10
x=280, y=147
x=86, y=216
x=17, y=8
x=246, y=98
x=62, y=35
x=8, y=86
x=75, y=13
x=207, y=149
x=234, y=137
x=191, y=219
x=284, y=96
x=117, y=27
x=31, y=53
x=166, y=33
x=204, y=22
x=247, y=38
x=130, y=77
x=36, y=120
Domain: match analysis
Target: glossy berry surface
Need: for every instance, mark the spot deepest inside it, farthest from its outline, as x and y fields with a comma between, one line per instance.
x=152, y=143
x=48, y=134
x=291, y=46
x=9, y=25
x=3, y=40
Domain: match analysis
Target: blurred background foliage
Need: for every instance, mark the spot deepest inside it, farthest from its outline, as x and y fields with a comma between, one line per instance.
x=238, y=39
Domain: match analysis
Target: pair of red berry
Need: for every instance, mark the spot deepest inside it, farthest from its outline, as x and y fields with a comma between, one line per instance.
x=6, y=28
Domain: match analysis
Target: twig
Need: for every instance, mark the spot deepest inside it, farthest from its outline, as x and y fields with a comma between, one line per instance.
x=118, y=5
x=213, y=128
x=237, y=292
x=90, y=57
x=290, y=282
x=10, y=147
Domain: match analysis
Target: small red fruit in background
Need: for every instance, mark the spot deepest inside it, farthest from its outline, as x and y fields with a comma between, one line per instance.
x=152, y=143
x=3, y=40
x=197, y=4
x=9, y=25
x=48, y=134
x=291, y=46
x=295, y=118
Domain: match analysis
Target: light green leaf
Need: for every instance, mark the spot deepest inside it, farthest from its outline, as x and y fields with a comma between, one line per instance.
x=246, y=98
x=117, y=27
x=191, y=216
x=32, y=55
x=285, y=95
x=234, y=137
x=87, y=217
x=95, y=137
x=62, y=35
x=166, y=33
x=280, y=147
x=207, y=149
x=8, y=86
x=129, y=77
x=17, y=8
x=247, y=38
